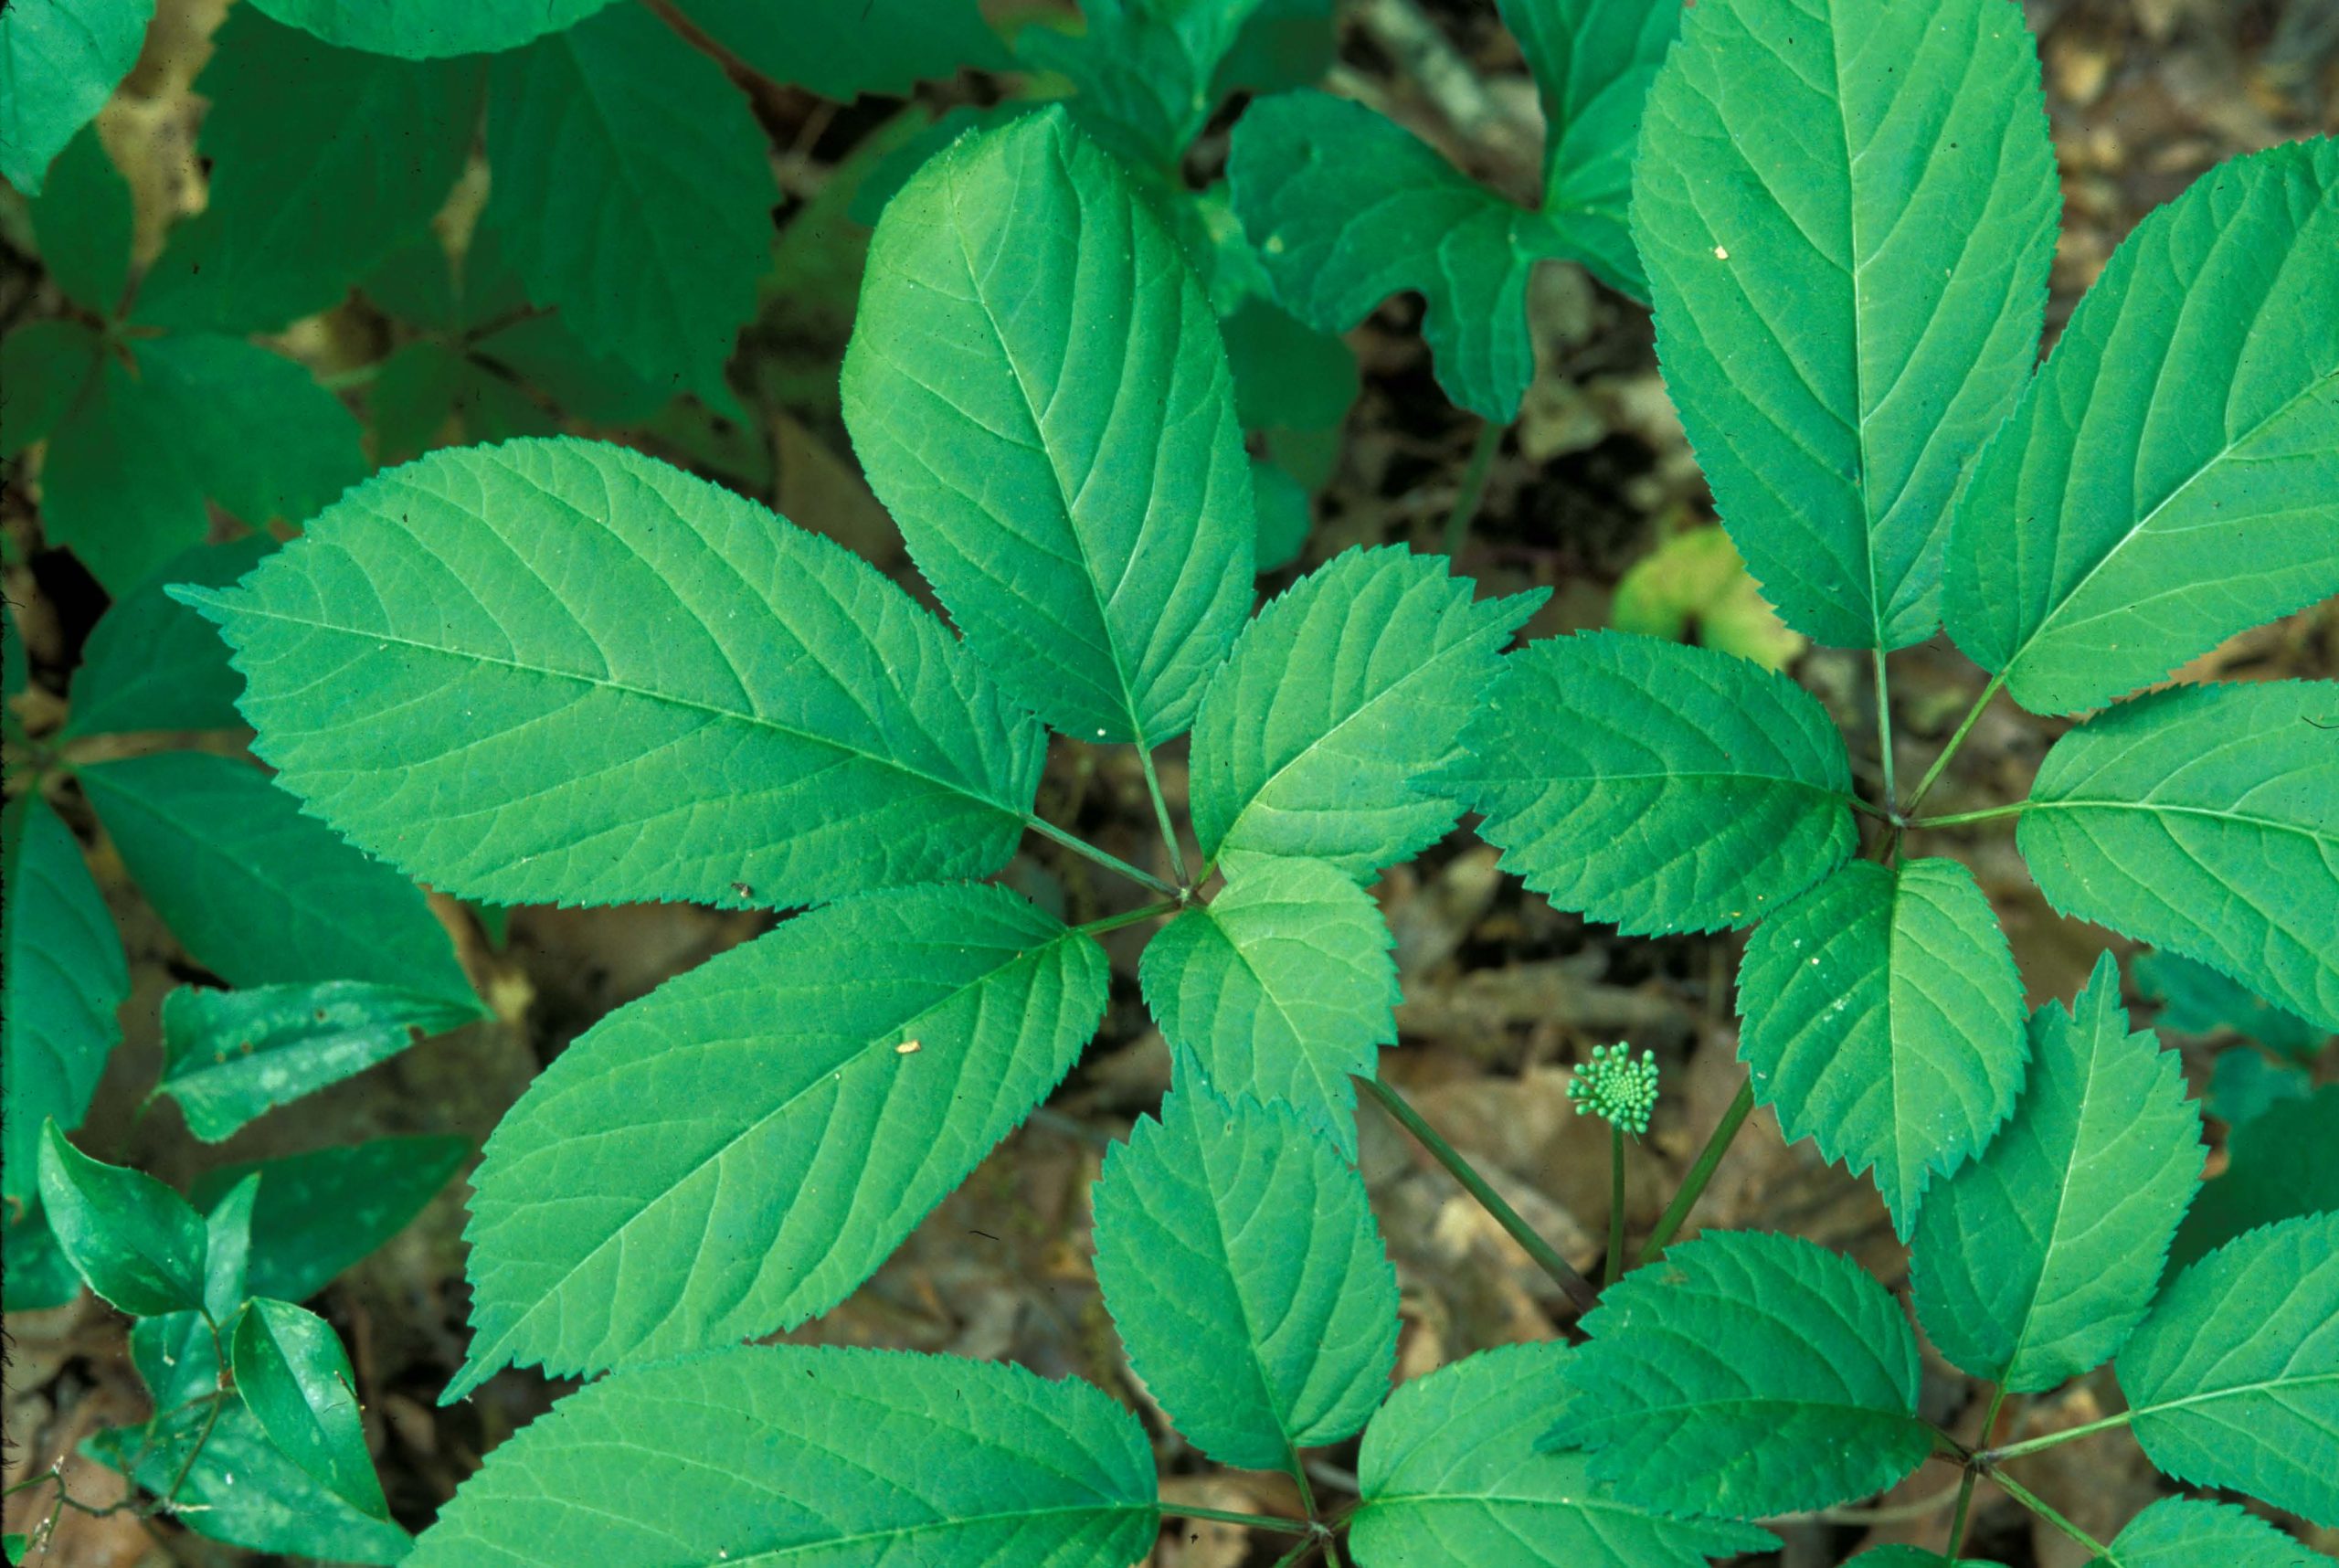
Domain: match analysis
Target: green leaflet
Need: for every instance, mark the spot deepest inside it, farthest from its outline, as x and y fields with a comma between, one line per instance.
x=609, y=679
x=230, y=1056
x=2184, y=1533
x=633, y=190
x=1346, y=208
x=59, y=60
x=2203, y=820
x=1037, y=391
x=44, y=365
x=1450, y=1475
x=1658, y=787
x=152, y=663
x=1912, y=1557
x=2167, y=478
x=128, y=469
x=1286, y=513
x=174, y=1353
x=2282, y=1162
x=1848, y=209
x=137, y=1243
x=1744, y=1374
x=82, y=220
x=430, y=29
x=321, y=1211
x=2199, y=1001
x=323, y=160
x=2033, y=1263
x=2234, y=1378
x=65, y=982
x=260, y=894
x=1883, y=1020
x=1281, y=986
x=2243, y=1084
x=1144, y=70
x=1239, y=1258
x=1348, y=688
x=841, y=51
x=737, y=1151
x=35, y=1273
x=1592, y=62
x=297, y=1382
x=244, y=1490
x=816, y=1457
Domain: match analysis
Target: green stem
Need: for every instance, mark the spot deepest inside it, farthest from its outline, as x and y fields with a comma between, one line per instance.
x=1161, y=816
x=1579, y=1289
x=2053, y=1439
x=1693, y=1185
x=1965, y=726
x=2031, y=1501
x=1884, y=726
x=1128, y=918
x=1253, y=1520
x=1081, y=846
x=1972, y=1474
x=1613, y=1269
x=1473, y=486
x=1958, y=819
x=1865, y=810
x=1332, y=1552
x=1298, y=1554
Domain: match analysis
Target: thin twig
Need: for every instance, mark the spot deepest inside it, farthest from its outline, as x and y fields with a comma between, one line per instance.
x=1110, y=861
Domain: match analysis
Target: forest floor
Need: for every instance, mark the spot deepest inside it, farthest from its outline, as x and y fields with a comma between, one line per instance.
x=1502, y=994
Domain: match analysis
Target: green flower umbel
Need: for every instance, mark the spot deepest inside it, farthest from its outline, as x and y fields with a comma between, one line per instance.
x=1617, y=1089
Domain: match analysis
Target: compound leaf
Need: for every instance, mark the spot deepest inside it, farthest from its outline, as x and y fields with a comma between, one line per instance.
x=296, y=1380
x=321, y=1211
x=65, y=982
x=239, y=1488
x=1743, y=1374
x=2280, y=1163
x=1282, y=986
x=230, y=1056
x=114, y=486
x=1658, y=786
x=1912, y=1557
x=260, y=894
x=1239, y=1258
x=2183, y=1533
x=1848, y=210
x=843, y=51
x=2032, y=1264
x=59, y=60
x=1592, y=62
x=2203, y=820
x=2233, y=1380
x=1883, y=1021
x=321, y=161
x=152, y=663
x=1348, y=688
x=1449, y=1473
x=1346, y=208
x=2168, y=477
x=137, y=1243
x=1037, y=391
x=794, y=726
x=740, y=1148
x=812, y=1454
x=633, y=191
x=430, y=29
x=82, y=220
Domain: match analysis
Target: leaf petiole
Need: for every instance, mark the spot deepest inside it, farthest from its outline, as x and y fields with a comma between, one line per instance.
x=1959, y=818
x=1964, y=726
x=1161, y=816
x=1252, y=1520
x=1579, y=1289
x=2031, y=1500
x=1128, y=918
x=1614, y=1268
x=2052, y=1439
x=1473, y=486
x=1693, y=1185
x=1110, y=861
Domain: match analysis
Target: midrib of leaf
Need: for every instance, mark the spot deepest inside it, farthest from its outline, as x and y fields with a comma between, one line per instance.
x=691, y=705
x=2065, y=601
x=493, y=1355
x=1064, y=494
x=2267, y=1385
x=2215, y=813
x=1333, y=1082
x=1251, y=1339
x=1856, y=273
x=2062, y=1208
